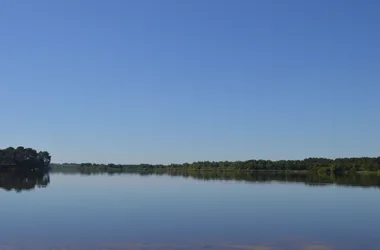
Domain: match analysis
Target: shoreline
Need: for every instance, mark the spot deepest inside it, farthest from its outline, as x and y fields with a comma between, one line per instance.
x=168, y=169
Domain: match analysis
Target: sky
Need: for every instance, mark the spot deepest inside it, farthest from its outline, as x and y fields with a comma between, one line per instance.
x=146, y=81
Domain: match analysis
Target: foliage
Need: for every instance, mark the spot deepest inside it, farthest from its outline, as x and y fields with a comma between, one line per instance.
x=320, y=166
x=23, y=158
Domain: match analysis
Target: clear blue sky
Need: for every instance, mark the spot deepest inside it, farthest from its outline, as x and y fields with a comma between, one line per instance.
x=180, y=81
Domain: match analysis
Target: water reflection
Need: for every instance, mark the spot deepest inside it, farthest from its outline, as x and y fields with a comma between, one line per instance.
x=22, y=181
x=358, y=180
x=127, y=211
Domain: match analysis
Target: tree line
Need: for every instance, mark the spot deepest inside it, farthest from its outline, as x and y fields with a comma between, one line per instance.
x=320, y=165
x=21, y=158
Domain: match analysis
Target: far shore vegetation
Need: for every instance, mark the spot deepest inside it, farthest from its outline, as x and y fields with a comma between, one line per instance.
x=26, y=168
x=23, y=169
x=23, y=159
x=322, y=166
x=307, y=177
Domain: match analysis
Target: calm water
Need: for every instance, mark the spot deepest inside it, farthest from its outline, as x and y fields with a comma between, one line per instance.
x=130, y=211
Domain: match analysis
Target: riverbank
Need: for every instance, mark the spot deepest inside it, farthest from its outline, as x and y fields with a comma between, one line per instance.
x=319, y=165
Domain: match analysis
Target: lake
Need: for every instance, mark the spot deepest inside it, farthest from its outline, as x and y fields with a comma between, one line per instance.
x=203, y=211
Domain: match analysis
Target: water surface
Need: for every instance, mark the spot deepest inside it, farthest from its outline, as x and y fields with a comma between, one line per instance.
x=132, y=211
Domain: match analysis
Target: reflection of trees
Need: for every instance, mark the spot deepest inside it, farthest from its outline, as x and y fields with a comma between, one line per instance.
x=20, y=181
x=307, y=178
x=310, y=179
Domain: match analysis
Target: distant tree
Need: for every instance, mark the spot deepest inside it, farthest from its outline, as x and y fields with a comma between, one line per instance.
x=44, y=158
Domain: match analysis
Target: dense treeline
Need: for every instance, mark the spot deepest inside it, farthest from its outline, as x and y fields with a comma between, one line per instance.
x=23, y=159
x=321, y=165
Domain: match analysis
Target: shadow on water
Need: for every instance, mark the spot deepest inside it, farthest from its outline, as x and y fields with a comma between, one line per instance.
x=23, y=180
